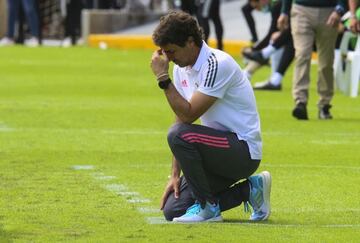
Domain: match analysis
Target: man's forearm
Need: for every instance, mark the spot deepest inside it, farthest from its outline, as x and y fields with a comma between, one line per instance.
x=179, y=105
x=175, y=169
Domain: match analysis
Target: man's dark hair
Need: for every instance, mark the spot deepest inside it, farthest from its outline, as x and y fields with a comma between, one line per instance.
x=175, y=28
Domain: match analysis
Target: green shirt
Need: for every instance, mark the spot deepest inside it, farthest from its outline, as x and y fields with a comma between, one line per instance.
x=286, y=4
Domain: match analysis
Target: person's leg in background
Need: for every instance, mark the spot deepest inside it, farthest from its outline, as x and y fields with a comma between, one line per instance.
x=255, y=53
x=247, y=10
x=188, y=6
x=275, y=58
x=33, y=22
x=12, y=18
x=203, y=18
x=286, y=58
x=325, y=42
x=279, y=40
x=302, y=20
x=215, y=17
x=72, y=22
x=280, y=66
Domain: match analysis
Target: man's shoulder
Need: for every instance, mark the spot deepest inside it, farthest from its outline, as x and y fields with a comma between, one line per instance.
x=220, y=60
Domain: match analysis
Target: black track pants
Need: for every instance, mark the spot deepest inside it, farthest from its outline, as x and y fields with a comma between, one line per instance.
x=211, y=160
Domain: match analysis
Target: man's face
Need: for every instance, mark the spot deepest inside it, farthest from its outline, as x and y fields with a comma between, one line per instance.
x=181, y=56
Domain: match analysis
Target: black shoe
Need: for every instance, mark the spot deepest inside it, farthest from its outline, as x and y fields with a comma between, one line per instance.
x=324, y=113
x=256, y=56
x=266, y=85
x=300, y=111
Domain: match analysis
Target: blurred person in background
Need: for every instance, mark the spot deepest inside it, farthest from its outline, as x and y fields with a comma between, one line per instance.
x=313, y=20
x=281, y=52
x=29, y=7
x=277, y=45
x=247, y=10
x=72, y=22
x=267, y=6
x=188, y=6
x=354, y=16
x=210, y=10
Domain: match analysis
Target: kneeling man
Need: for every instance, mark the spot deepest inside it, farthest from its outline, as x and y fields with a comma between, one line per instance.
x=226, y=148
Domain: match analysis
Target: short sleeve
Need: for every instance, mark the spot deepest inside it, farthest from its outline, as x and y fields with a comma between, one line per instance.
x=215, y=77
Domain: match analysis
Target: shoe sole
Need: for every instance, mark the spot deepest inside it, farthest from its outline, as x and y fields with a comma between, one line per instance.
x=215, y=219
x=265, y=175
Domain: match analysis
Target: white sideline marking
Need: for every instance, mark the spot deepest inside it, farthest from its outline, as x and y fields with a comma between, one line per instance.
x=104, y=177
x=83, y=167
x=139, y=200
x=101, y=176
x=122, y=190
x=5, y=128
x=157, y=220
x=161, y=220
x=148, y=210
x=117, y=188
x=128, y=193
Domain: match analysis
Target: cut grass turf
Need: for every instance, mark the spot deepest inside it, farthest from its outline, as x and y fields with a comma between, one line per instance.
x=65, y=107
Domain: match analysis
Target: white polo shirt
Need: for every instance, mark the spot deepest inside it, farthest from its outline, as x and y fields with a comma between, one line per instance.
x=217, y=74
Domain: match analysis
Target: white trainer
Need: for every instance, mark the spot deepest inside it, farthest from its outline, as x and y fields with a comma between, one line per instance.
x=196, y=214
x=6, y=41
x=66, y=42
x=260, y=188
x=32, y=42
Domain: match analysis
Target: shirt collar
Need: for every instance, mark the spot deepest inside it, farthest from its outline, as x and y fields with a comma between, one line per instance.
x=203, y=56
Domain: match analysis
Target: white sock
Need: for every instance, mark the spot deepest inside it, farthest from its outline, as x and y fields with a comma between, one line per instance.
x=276, y=79
x=267, y=51
x=275, y=59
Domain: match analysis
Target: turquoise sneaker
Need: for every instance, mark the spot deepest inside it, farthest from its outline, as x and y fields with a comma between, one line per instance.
x=194, y=214
x=259, y=199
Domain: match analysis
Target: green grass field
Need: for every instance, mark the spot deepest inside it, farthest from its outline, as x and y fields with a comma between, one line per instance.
x=83, y=156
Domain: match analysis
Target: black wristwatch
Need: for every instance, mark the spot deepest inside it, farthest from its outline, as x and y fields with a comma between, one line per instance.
x=164, y=84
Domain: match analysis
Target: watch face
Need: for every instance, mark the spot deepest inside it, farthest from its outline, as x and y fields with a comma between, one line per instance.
x=164, y=84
